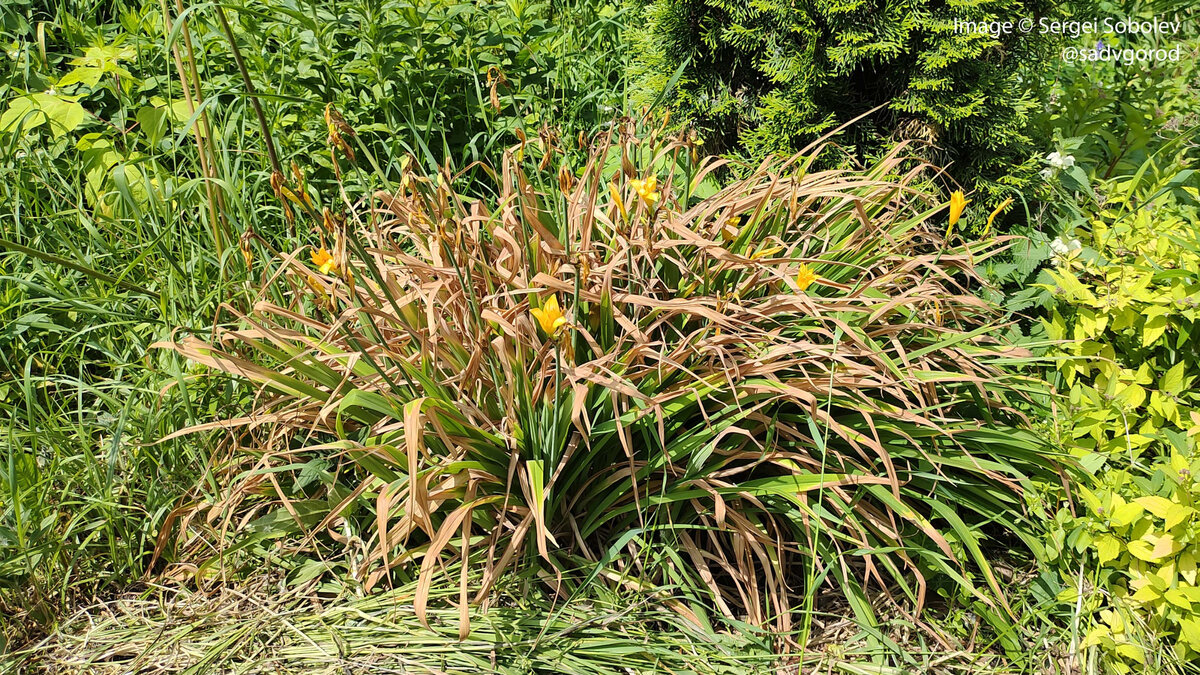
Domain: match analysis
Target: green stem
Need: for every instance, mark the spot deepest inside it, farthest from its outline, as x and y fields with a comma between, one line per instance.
x=258, y=111
x=50, y=257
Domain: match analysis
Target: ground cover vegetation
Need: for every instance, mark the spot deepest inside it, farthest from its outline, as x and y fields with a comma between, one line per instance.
x=582, y=336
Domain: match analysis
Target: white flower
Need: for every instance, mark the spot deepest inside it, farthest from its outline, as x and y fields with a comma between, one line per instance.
x=1047, y=173
x=1064, y=249
x=1059, y=160
x=52, y=91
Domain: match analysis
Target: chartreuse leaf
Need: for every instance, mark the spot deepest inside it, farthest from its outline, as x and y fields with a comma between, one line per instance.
x=1108, y=547
x=1156, y=324
x=1189, y=631
x=28, y=112
x=1155, y=548
x=1131, y=651
x=1172, y=381
x=1178, y=598
x=1124, y=515
x=1159, y=506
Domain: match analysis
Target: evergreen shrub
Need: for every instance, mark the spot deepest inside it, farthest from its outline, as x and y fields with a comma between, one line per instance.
x=768, y=76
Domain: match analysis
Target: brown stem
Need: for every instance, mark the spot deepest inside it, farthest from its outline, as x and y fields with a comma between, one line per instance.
x=200, y=131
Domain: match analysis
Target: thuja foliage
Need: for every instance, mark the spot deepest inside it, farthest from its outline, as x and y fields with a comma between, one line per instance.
x=772, y=76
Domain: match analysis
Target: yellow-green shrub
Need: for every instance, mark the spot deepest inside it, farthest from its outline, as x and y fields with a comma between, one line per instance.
x=1129, y=314
x=1128, y=293
x=1142, y=531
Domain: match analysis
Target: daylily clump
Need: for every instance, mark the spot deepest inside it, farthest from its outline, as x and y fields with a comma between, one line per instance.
x=538, y=386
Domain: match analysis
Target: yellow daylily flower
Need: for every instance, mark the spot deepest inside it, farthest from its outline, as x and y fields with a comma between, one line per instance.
x=646, y=189
x=324, y=261
x=957, y=203
x=298, y=196
x=549, y=316
x=766, y=252
x=1003, y=205
x=805, y=277
x=618, y=199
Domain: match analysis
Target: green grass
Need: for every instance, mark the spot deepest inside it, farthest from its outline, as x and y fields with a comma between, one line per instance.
x=82, y=399
x=108, y=242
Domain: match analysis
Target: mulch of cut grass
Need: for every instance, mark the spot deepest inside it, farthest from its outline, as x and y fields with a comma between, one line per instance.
x=266, y=626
